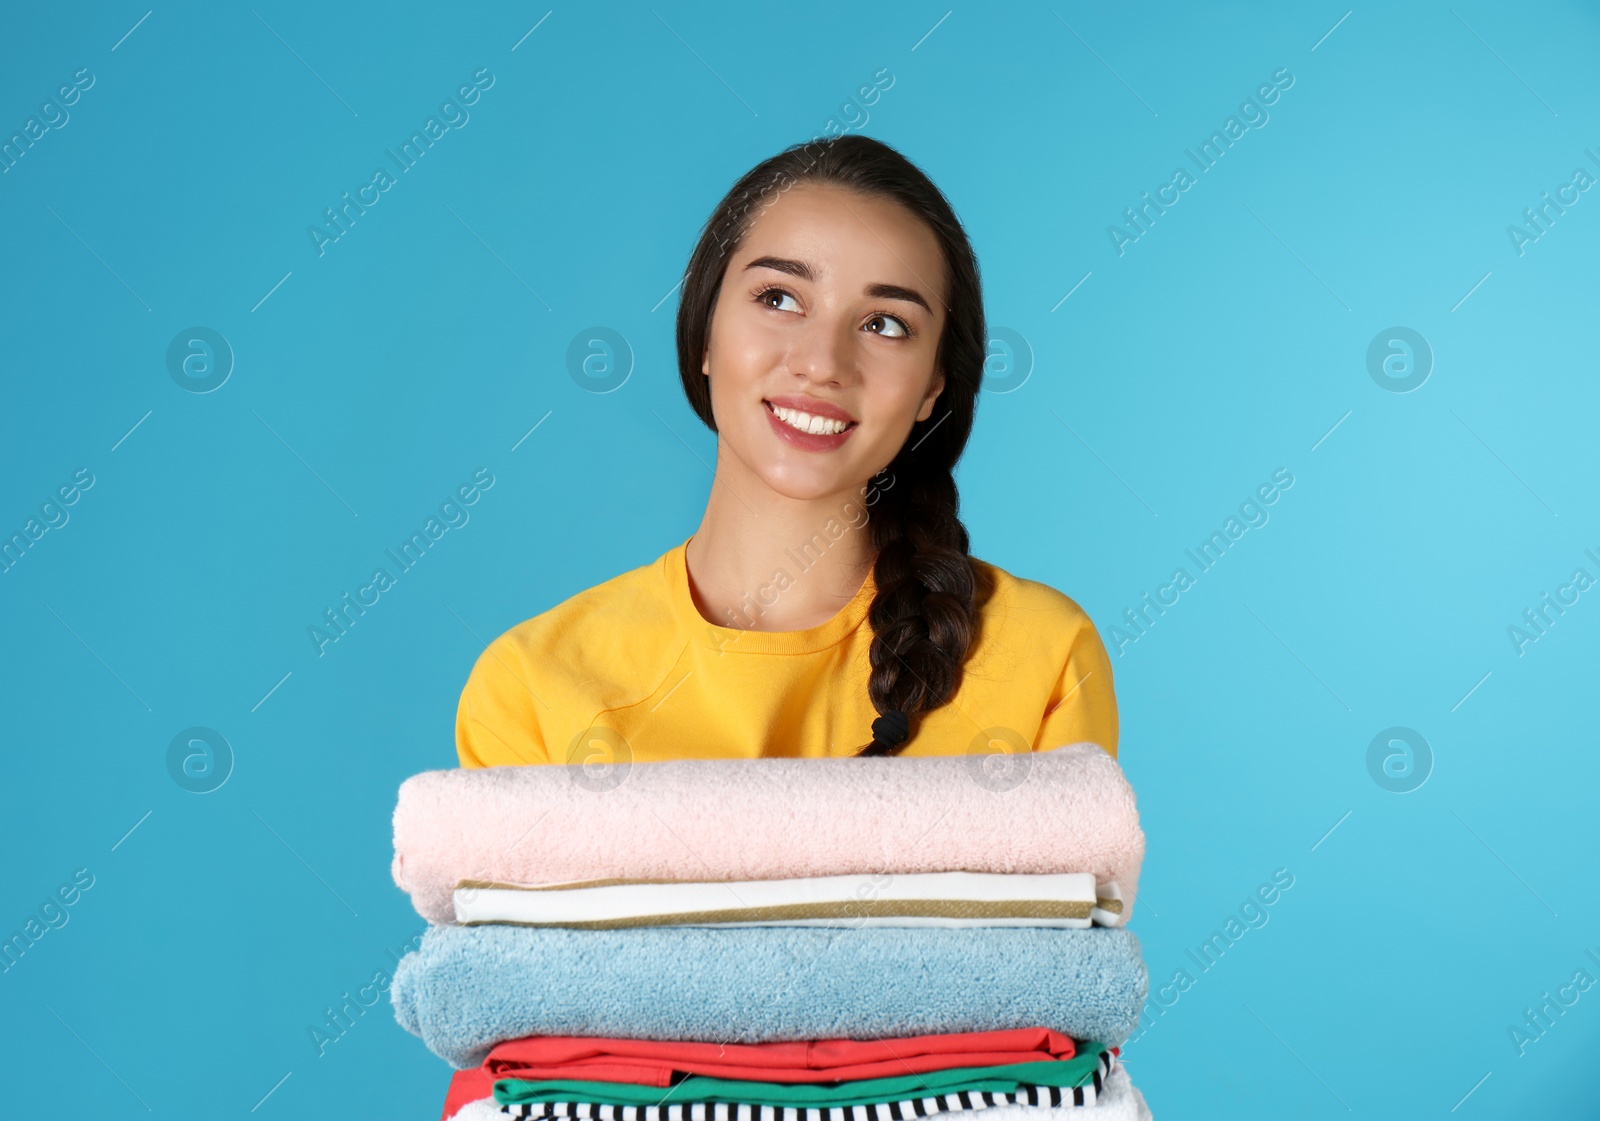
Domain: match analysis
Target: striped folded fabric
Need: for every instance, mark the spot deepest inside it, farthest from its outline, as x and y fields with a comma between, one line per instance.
x=944, y=899
x=1080, y=1083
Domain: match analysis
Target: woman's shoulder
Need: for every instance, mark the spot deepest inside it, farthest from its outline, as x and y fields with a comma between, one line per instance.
x=552, y=672
x=1004, y=593
x=631, y=602
x=1037, y=638
x=594, y=650
x=1030, y=620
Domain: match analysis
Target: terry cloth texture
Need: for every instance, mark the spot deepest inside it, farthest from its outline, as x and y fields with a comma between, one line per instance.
x=1066, y=810
x=656, y=1062
x=950, y=899
x=1116, y=1099
x=465, y=989
x=1008, y=1078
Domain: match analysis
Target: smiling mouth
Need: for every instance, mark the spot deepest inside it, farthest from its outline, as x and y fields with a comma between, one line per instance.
x=811, y=425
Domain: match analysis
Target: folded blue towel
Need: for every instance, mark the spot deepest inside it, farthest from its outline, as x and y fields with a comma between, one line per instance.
x=467, y=988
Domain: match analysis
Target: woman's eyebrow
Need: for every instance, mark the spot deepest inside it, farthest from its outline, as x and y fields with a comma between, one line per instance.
x=895, y=292
x=783, y=264
x=876, y=291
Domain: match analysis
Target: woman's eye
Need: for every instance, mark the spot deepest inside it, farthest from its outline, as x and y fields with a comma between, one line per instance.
x=766, y=298
x=888, y=326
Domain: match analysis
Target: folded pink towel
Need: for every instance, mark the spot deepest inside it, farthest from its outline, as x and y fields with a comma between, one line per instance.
x=1066, y=810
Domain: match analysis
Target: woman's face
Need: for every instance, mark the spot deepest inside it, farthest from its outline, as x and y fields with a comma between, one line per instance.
x=832, y=305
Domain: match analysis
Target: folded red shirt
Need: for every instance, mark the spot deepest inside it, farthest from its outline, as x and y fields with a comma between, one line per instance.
x=652, y=1062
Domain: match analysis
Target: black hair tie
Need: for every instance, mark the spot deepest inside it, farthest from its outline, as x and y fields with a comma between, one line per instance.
x=891, y=728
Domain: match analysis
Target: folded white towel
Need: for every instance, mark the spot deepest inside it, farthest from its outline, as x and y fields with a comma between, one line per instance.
x=947, y=899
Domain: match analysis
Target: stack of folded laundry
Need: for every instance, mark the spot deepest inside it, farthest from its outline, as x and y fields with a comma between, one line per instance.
x=773, y=939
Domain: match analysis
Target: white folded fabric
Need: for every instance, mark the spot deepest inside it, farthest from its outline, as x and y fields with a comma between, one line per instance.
x=944, y=899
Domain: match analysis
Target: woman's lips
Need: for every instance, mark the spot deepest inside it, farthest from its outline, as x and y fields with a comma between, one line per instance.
x=807, y=441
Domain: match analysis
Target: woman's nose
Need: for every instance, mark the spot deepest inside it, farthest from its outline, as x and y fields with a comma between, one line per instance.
x=824, y=352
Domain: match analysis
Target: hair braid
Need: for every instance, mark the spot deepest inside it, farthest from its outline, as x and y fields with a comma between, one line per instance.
x=923, y=616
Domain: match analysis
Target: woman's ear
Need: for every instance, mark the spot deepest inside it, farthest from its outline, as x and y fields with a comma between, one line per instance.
x=934, y=390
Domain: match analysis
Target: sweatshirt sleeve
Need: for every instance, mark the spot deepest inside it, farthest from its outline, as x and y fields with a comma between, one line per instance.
x=1083, y=702
x=496, y=724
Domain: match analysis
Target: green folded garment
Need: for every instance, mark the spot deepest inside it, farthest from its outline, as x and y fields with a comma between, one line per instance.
x=1005, y=1078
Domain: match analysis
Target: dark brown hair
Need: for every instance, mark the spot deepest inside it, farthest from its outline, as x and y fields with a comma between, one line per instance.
x=924, y=616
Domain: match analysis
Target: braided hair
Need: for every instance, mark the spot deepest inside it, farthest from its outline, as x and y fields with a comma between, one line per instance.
x=924, y=615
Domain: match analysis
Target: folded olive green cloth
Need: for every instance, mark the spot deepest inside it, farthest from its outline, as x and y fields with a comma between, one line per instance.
x=1006, y=1078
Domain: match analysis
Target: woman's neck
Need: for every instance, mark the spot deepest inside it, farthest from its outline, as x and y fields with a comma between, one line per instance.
x=763, y=561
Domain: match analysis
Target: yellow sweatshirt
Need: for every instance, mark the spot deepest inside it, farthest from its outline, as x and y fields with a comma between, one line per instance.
x=629, y=670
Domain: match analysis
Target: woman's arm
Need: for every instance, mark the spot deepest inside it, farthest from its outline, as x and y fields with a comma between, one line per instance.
x=1083, y=704
x=496, y=724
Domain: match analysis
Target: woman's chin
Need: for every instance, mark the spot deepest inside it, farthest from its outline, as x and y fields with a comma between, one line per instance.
x=802, y=485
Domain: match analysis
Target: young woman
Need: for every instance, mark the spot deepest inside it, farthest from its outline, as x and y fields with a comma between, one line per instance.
x=831, y=332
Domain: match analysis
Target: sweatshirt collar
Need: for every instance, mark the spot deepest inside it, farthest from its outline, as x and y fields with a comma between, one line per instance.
x=740, y=640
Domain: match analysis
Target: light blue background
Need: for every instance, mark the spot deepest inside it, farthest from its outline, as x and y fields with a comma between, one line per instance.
x=1229, y=341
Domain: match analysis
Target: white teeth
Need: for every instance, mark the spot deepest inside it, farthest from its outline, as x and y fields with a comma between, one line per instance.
x=805, y=422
